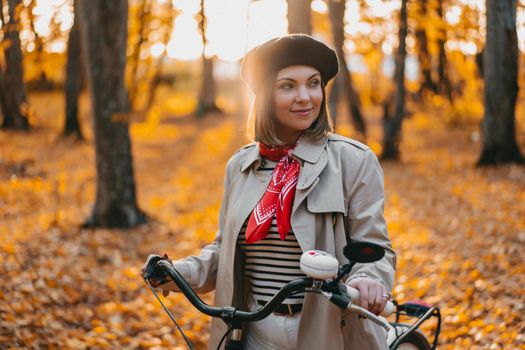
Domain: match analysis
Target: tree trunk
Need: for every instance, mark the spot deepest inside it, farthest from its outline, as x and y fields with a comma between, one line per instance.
x=343, y=81
x=74, y=78
x=332, y=102
x=299, y=16
x=103, y=30
x=443, y=79
x=425, y=60
x=42, y=82
x=500, y=72
x=134, y=60
x=392, y=119
x=207, y=91
x=16, y=107
x=3, y=99
x=167, y=22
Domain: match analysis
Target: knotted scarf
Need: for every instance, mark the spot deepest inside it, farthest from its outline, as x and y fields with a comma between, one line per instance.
x=279, y=196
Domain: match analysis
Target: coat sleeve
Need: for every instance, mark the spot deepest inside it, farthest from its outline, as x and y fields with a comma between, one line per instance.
x=201, y=270
x=366, y=222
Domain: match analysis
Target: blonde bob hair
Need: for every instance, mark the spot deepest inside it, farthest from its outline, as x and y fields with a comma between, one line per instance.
x=260, y=126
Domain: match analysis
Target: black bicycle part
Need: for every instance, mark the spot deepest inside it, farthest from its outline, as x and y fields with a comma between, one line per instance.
x=230, y=314
x=417, y=339
x=224, y=337
x=233, y=345
x=343, y=271
x=423, y=313
x=169, y=314
x=153, y=272
x=358, y=252
x=363, y=252
x=340, y=296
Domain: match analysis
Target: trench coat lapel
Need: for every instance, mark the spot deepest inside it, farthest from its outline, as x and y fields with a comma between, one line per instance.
x=256, y=184
x=314, y=157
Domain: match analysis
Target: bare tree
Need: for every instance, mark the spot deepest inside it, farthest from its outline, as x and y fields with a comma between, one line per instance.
x=443, y=78
x=167, y=23
x=103, y=30
x=41, y=80
x=394, y=110
x=424, y=57
x=500, y=72
x=299, y=16
x=207, y=91
x=15, y=108
x=74, y=78
x=343, y=82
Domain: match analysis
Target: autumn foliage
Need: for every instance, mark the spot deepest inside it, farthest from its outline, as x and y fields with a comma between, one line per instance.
x=458, y=231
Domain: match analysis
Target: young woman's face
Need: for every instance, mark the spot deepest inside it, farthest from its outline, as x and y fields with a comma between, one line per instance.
x=297, y=98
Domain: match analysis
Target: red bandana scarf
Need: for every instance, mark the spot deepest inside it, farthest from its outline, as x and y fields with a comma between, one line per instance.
x=278, y=198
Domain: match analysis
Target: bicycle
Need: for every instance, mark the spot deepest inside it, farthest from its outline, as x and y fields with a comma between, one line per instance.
x=324, y=277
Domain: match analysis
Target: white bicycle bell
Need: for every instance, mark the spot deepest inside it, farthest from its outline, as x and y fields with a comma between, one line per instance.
x=319, y=265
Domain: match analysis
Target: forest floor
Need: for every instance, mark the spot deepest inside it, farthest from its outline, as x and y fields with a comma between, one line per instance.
x=458, y=231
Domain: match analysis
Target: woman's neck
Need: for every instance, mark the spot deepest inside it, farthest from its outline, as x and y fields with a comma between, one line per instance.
x=290, y=139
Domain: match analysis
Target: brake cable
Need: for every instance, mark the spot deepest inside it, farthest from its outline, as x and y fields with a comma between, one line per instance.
x=169, y=314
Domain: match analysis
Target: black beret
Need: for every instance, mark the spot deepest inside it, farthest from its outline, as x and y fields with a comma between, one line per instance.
x=288, y=50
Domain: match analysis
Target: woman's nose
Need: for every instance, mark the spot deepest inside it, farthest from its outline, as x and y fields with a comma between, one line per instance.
x=302, y=94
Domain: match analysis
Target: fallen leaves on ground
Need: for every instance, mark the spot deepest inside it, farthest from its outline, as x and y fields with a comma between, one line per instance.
x=458, y=231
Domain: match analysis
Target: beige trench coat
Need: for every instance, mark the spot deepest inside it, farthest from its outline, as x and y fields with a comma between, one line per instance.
x=340, y=184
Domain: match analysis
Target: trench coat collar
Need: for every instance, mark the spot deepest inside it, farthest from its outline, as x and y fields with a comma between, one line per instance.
x=308, y=150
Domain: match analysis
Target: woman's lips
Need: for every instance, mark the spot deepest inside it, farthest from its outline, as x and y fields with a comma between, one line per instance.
x=302, y=111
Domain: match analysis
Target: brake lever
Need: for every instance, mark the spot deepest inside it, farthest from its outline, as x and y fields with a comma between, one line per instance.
x=152, y=271
x=341, y=298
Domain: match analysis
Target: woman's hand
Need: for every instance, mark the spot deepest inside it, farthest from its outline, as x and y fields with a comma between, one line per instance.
x=152, y=281
x=373, y=294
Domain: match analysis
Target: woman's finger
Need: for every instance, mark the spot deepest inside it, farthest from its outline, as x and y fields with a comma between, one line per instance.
x=378, y=301
x=165, y=256
x=363, y=291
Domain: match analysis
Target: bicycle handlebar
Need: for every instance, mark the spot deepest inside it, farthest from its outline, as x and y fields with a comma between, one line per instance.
x=242, y=316
x=346, y=300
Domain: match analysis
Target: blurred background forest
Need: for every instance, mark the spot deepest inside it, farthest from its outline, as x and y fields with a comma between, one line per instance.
x=117, y=118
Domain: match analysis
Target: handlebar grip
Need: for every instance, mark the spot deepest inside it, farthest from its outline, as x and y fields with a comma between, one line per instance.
x=355, y=295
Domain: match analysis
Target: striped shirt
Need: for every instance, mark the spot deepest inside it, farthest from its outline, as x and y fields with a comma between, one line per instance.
x=271, y=263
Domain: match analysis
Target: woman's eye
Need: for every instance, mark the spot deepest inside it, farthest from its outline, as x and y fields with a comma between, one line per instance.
x=286, y=86
x=314, y=82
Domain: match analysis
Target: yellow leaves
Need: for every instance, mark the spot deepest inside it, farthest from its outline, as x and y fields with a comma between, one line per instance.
x=375, y=146
x=72, y=294
x=457, y=190
x=473, y=274
x=112, y=284
x=9, y=248
x=131, y=272
x=157, y=202
x=345, y=130
x=99, y=330
x=457, y=231
x=61, y=278
x=180, y=104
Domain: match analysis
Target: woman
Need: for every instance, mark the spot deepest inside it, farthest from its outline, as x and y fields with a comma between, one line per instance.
x=326, y=189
